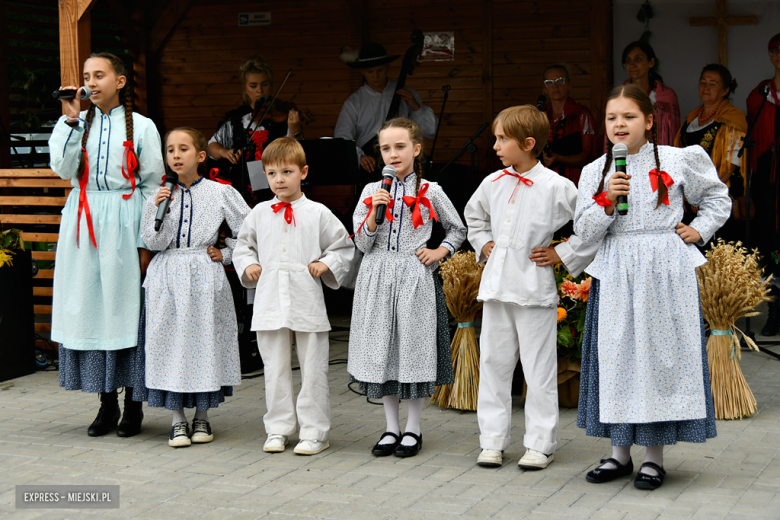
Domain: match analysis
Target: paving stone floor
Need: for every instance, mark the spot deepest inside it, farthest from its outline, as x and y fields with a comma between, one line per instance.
x=43, y=440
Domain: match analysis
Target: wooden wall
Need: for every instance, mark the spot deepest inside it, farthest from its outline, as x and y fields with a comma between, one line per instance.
x=501, y=49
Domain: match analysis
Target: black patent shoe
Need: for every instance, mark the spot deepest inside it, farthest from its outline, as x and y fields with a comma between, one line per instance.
x=409, y=451
x=645, y=481
x=385, y=450
x=131, y=417
x=601, y=475
x=107, y=416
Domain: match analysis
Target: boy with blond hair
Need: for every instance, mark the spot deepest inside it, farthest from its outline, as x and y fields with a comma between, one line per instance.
x=511, y=219
x=287, y=248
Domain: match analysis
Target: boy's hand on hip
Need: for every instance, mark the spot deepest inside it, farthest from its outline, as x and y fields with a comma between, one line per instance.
x=688, y=234
x=487, y=249
x=253, y=272
x=544, y=256
x=317, y=269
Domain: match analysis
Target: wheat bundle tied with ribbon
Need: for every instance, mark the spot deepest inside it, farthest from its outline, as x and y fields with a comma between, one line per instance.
x=731, y=288
x=461, y=275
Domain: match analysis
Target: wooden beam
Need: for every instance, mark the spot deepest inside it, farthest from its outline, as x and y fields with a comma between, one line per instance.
x=601, y=74
x=166, y=24
x=487, y=78
x=84, y=7
x=5, y=111
x=75, y=40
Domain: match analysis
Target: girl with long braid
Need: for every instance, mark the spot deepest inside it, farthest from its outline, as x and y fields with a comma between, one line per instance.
x=645, y=377
x=113, y=158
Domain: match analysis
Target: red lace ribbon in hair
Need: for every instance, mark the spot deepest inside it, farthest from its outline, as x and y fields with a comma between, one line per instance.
x=602, y=200
x=131, y=160
x=665, y=178
x=288, y=211
x=520, y=178
x=417, y=201
x=369, y=201
x=213, y=176
x=84, y=203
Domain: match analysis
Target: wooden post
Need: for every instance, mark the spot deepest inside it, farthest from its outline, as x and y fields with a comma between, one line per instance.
x=722, y=20
x=487, y=78
x=601, y=74
x=5, y=94
x=75, y=39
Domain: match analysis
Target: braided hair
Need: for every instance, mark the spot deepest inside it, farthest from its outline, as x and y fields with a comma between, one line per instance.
x=125, y=98
x=640, y=97
x=415, y=135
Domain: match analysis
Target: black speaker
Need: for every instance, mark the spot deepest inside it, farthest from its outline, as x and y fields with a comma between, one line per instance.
x=17, y=318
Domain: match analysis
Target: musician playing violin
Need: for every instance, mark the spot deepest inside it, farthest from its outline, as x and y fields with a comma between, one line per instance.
x=365, y=110
x=241, y=131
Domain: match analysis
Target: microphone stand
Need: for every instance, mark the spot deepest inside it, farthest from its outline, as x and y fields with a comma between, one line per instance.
x=471, y=147
x=446, y=90
x=747, y=145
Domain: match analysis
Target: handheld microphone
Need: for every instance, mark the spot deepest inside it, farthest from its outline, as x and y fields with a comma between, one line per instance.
x=620, y=152
x=540, y=102
x=70, y=94
x=764, y=90
x=388, y=174
x=171, y=179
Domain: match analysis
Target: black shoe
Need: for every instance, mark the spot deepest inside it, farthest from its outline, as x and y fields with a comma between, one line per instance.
x=409, y=451
x=201, y=432
x=107, y=416
x=131, y=417
x=385, y=450
x=601, y=475
x=772, y=326
x=180, y=435
x=645, y=481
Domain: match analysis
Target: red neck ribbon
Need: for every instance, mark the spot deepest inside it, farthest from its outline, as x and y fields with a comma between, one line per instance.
x=84, y=203
x=369, y=201
x=131, y=160
x=213, y=176
x=520, y=178
x=417, y=201
x=288, y=211
x=602, y=200
x=665, y=178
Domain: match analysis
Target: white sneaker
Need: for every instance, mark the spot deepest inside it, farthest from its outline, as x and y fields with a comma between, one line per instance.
x=490, y=459
x=307, y=447
x=275, y=443
x=535, y=460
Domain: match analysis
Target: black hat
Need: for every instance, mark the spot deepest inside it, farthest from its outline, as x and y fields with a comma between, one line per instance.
x=371, y=55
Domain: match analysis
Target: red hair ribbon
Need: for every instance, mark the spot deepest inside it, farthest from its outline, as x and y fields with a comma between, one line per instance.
x=259, y=137
x=288, y=211
x=602, y=200
x=131, y=159
x=527, y=182
x=213, y=176
x=84, y=203
x=417, y=201
x=665, y=178
x=369, y=201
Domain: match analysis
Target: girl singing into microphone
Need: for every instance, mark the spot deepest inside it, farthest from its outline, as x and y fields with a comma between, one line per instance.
x=399, y=346
x=190, y=359
x=645, y=377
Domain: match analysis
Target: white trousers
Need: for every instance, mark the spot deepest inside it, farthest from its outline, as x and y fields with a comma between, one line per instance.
x=509, y=333
x=313, y=408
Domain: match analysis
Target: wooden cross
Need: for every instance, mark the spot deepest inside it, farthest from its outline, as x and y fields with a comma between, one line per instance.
x=722, y=20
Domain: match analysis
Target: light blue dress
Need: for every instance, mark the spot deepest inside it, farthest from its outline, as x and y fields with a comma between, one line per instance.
x=97, y=291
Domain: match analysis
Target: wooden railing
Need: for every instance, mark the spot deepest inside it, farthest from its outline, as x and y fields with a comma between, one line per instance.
x=24, y=192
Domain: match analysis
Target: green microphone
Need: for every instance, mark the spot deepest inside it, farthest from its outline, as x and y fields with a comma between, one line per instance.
x=620, y=152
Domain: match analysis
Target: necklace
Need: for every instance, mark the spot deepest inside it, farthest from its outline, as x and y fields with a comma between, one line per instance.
x=705, y=119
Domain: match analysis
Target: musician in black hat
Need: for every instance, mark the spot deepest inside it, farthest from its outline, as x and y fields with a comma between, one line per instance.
x=365, y=110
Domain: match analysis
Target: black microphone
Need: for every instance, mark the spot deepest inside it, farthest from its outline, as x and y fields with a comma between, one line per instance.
x=70, y=93
x=388, y=174
x=541, y=102
x=171, y=179
x=620, y=152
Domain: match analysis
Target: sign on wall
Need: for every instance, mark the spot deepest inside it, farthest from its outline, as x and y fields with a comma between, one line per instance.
x=262, y=18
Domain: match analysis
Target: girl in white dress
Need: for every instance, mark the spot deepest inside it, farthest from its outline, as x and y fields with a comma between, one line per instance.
x=645, y=377
x=396, y=336
x=191, y=336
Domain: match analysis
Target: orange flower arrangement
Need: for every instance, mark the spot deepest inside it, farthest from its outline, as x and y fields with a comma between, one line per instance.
x=561, y=314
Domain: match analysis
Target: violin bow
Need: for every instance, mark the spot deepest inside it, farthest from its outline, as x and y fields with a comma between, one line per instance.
x=273, y=100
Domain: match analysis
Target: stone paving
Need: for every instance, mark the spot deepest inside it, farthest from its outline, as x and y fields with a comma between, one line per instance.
x=43, y=441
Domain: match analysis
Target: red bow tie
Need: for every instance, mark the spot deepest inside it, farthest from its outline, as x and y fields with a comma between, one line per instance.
x=665, y=178
x=527, y=182
x=369, y=201
x=417, y=201
x=288, y=211
x=213, y=176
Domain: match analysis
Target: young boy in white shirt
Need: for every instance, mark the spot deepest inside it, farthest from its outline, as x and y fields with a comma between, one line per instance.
x=511, y=220
x=287, y=248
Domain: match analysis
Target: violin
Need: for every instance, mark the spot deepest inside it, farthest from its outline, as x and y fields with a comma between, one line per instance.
x=279, y=111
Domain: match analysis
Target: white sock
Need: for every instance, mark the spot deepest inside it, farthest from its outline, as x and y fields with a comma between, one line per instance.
x=390, y=403
x=178, y=416
x=619, y=453
x=414, y=409
x=654, y=454
x=202, y=414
